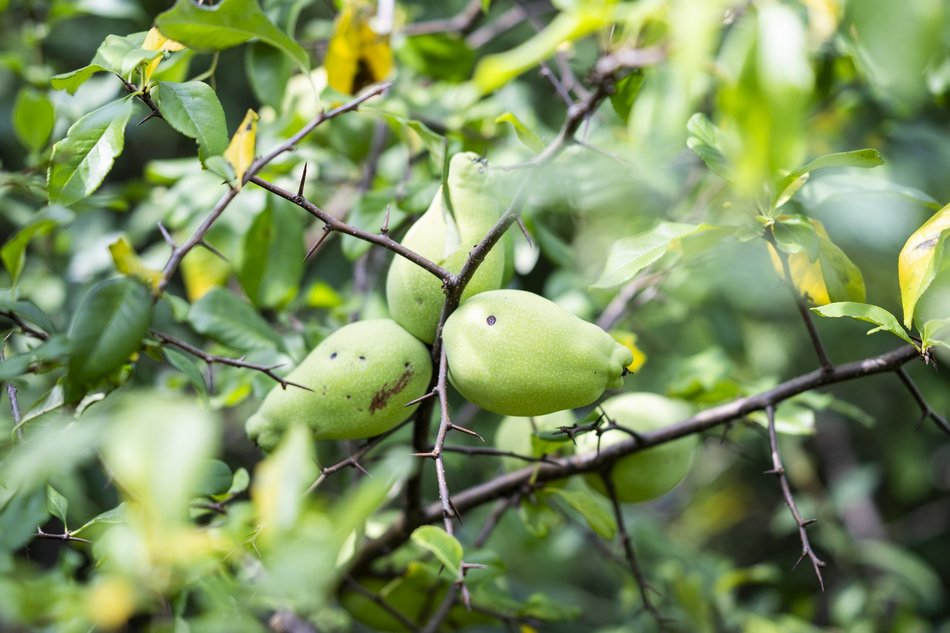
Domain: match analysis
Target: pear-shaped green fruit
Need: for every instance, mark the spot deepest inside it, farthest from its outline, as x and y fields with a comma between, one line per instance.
x=650, y=473
x=361, y=378
x=517, y=353
x=524, y=437
x=414, y=295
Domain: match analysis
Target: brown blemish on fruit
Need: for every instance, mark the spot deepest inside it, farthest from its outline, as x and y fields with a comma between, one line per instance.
x=386, y=392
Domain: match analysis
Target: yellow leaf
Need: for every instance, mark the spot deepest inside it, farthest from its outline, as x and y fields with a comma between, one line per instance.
x=356, y=55
x=323, y=295
x=240, y=151
x=110, y=602
x=128, y=263
x=919, y=260
x=155, y=41
x=806, y=275
x=202, y=270
x=629, y=340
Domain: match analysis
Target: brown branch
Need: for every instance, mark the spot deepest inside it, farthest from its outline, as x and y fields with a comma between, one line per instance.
x=66, y=536
x=179, y=251
x=505, y=485
x=214, y=359
x=495, y=452
x=462, y=21
x=926, y=410
x=334, y=224
x=803, y=310
x=353, y=460
x=778, y=469
x=26, y=328
x=629, y=553
x=508, y=20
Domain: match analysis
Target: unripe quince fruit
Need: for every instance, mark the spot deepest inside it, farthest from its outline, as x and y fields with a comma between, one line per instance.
x=652, y=472
x=361, y=377
x=521, y=436
x=414, y=295
x=517, y=353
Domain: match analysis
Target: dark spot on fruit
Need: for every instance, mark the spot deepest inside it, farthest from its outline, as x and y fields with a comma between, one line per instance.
x=419, y=301
x=333, y=355
x=491, y=319
x=362, y=358
x=405, y=364
x=386, y=392
x=348, y=396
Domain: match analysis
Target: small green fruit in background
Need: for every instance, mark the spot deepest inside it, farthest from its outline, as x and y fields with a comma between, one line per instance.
x=361, y=377
x=517, y=353
x=520, y=435
x=650, y=473
x=414, y=295
x=415, y=594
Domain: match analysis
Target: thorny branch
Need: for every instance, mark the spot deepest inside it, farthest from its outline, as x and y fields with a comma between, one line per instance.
x=507, y=484
x=179, y=251
x=823, y=359
x=212, y=359
x=630, y=554
x=926, y=410
x=778, y=469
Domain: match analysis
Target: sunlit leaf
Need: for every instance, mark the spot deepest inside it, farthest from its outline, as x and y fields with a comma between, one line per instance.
x=57, y=505
x=528, y=138
x=280, y=481
x=494, y=71
x=356, y=55
x=790, y=184
x=82, y=160
x=240, y=151
x=921, y=259
x=128, y=263
x=155, y=41
x=630, y=255
x=443, y=546
x=877, y=315
x=202, y=270
x=706, y=140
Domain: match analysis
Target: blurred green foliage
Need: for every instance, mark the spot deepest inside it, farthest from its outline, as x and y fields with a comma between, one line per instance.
x=135, y=450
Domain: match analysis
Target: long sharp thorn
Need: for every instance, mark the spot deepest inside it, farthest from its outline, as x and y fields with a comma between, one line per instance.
x=385, y=228
x=318, y=244
x=456, y=427
x=303, y=179
x=213, y=250
x=524, y=231
x=420, y=399
x=150, y=115
x=166, y=235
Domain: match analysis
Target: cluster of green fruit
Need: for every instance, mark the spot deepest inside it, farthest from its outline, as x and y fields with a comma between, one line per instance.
x=508, y=351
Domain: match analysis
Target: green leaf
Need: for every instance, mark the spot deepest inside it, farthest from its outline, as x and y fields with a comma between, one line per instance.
x=227, y=24
x=921, y=259
x=20, y=517
x=528, y=138
x=625, y=94
x=443, y=546
x=706, y=140
x=107, y=329
x=861, y=158
x=188, y=366
x=120, y=55
x=25, y=309
x=71, y=81
x=369, y=213
x=33, y=118
x=930, y=331
x=593, y=508
x=193, y=109
x=215, y=479
x=352, y=512
x=795, y=233
x=877, y=315
x=272, y=259
x=81, y=161
x=57, y=505
x=630, y=255
x=13, y=252
x=54, y=349
x=443, y=56
x=225, y=318
x=268, y=72
x=113, y=516
x=913, y=572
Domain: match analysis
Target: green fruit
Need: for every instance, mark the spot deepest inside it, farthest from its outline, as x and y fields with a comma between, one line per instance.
x=650, y=473
x=521, y=436
x=361, y=377
x=517, y=353
x=414, y=295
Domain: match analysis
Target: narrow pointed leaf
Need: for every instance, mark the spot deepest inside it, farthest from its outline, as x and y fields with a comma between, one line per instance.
x=630, y=255
x=877, y=315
